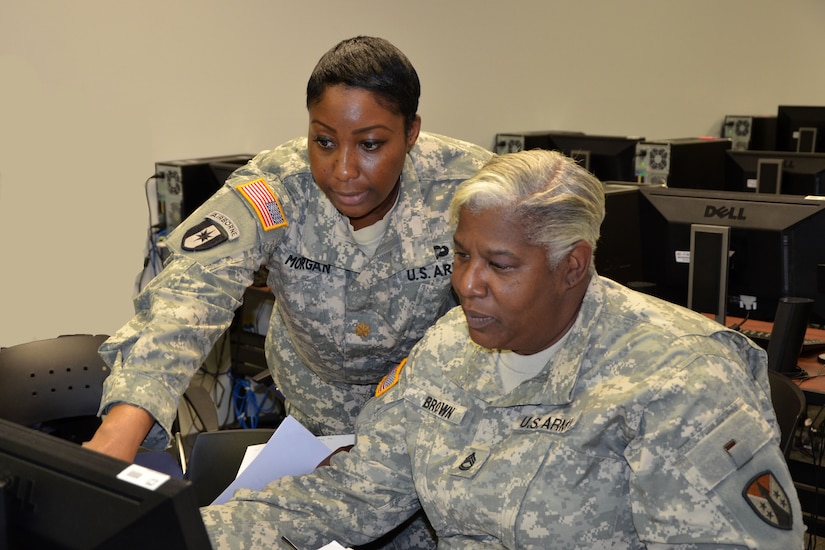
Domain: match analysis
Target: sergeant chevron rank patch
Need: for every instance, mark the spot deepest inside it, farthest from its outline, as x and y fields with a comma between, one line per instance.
x=469, y=465
x=769, y=500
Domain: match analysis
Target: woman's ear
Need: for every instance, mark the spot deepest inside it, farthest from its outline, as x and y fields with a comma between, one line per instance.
x=578, y=263
x=412, y=135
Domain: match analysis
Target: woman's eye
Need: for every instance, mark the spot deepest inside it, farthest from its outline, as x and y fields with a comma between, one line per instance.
x=371, y=145
x=323, y=142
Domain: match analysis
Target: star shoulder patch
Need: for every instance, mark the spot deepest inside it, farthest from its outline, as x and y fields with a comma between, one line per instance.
x=203, y=236
x=390, y=380
x=769, y=501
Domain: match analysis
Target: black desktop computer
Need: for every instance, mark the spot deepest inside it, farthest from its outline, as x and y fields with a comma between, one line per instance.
x=183, y=185
x=685, y=163
x=609, y=158
x=513, y=142
x=750, y=132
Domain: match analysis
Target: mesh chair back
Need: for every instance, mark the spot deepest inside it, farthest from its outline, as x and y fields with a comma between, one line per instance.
x=52, y=379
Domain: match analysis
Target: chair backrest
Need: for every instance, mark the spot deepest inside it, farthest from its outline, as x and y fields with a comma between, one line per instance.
x=789, y=404
x=216, y=457
x=52, y=379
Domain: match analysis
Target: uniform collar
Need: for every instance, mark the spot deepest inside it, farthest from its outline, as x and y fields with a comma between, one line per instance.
x=407, y=242
x=555, y=384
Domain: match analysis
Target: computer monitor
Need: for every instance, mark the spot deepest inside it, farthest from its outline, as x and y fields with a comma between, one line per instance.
x=775, y=246
x=800, y=128
x=619, y=250
x=56, y=494
x=802, y=173
x=609, y=158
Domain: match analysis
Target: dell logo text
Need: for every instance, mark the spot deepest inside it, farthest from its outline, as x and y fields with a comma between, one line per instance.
x=725, y=212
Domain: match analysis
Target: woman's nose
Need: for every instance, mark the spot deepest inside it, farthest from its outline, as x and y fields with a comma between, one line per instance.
x=346, y=164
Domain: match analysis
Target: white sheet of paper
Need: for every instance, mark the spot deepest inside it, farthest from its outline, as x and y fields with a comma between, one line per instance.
x=292, y=450
x=333, y=442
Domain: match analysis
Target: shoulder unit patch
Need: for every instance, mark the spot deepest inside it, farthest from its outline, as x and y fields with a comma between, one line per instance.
x=768, y=499
x=203, y=236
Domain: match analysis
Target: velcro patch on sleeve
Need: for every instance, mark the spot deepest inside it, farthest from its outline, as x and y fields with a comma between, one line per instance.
x=265, y=204
x=390, y=380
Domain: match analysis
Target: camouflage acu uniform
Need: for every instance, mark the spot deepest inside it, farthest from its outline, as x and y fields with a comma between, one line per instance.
x=342, y=320
x=651, y=427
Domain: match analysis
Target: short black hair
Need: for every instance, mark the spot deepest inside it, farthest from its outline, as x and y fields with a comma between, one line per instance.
x=373, y=64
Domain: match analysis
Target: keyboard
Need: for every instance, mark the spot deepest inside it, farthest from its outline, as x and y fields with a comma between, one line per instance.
x=762, y=338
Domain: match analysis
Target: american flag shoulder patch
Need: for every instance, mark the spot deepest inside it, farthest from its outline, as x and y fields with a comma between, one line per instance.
x=390, y=380
x=265, y=204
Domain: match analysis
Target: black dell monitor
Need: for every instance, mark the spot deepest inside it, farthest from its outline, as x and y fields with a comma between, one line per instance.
x=800, y=128
x=56, y=494
x=775, y=246
x=799, y=173
x=609, y=158
x=619, y=251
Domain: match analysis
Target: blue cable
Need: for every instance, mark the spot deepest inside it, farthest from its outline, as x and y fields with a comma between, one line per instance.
x=248, y=408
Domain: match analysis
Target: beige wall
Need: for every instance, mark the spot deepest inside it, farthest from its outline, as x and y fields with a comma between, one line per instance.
x=92, y=94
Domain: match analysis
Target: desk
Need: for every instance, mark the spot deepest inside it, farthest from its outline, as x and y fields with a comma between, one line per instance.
x=813, y=387
x=805, y=467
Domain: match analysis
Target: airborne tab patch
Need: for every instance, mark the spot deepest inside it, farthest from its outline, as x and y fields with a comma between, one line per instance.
x=265, y=204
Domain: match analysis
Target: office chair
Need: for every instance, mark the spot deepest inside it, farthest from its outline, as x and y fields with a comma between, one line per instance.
x=54, y=384
x=789, y=404
x=215, y=458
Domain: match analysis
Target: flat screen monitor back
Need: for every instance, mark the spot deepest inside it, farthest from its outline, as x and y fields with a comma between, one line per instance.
x=802, y=173
x=775, y=244
x=800, y=128
x=619, y=249
x=59, y=495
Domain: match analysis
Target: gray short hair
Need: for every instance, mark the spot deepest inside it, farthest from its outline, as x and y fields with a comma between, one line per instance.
x=558, y=202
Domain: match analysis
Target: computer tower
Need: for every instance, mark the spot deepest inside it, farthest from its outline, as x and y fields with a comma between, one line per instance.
x=513, y=142
x=691, y=163
x=183, y=185
x=750, y=133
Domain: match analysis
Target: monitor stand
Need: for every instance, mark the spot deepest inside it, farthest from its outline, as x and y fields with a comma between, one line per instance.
x=708, y=271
